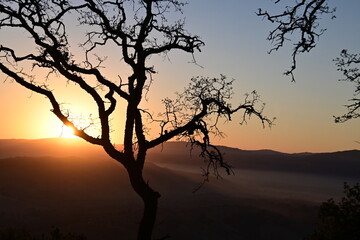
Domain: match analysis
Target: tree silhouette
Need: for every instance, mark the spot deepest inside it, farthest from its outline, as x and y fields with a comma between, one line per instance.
x=300, y=22
x=137, y=29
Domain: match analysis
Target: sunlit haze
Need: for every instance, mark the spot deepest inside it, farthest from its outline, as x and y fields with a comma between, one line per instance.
x=236, y=46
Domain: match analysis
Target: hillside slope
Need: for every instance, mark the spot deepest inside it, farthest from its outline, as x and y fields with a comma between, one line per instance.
x=74, y=186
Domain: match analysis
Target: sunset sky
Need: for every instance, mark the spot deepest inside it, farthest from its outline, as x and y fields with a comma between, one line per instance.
x=236, y=46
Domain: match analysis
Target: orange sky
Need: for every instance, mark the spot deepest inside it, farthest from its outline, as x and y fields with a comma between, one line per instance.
x=303, y=109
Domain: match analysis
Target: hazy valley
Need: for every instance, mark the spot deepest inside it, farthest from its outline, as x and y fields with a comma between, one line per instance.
x=72, y=185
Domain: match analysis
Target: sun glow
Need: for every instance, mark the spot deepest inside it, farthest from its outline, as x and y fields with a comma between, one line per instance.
x=67, y=132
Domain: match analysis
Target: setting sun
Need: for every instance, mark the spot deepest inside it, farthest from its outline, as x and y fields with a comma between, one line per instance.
x=67, y=132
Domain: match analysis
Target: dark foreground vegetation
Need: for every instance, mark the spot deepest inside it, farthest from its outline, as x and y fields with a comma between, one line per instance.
x=23, y=234
x=340, y=220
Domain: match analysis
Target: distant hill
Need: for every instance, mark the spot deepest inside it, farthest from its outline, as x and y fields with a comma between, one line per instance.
x=54, y=147
x=73, y=185
x=345, y=163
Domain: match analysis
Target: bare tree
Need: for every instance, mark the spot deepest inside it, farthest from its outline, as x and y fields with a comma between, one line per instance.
x=138, y=29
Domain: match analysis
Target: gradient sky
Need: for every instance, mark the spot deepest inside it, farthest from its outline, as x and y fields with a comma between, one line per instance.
x=236, y=46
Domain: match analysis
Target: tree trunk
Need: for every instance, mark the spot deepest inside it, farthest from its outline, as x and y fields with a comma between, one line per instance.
x=149, y=216
x=150, y=199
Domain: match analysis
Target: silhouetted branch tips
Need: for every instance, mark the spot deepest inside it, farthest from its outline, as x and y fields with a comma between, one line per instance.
x=300, y=20
x=348, y=64
x=195, y=115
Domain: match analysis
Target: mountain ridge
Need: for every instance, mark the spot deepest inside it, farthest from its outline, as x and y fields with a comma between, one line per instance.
x=339, y=163
x=83, y=142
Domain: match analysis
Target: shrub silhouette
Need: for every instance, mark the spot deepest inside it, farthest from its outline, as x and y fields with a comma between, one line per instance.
x=23, y=234
x=339, y=221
